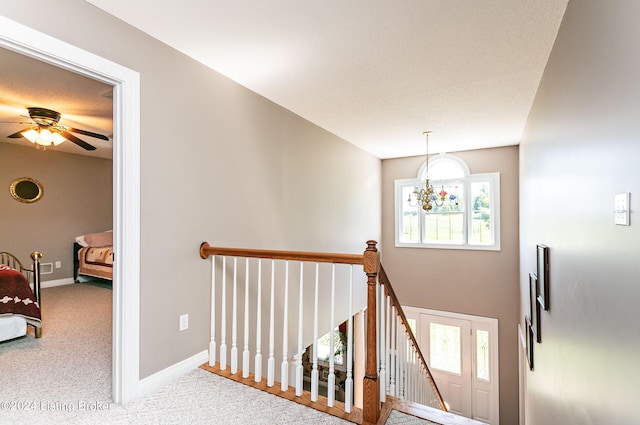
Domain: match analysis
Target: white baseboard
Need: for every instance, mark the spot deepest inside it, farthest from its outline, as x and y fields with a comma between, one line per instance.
x=56, y=282
x=163, y=377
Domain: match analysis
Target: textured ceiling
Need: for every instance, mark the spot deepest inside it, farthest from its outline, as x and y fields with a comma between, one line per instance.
x=374, y=72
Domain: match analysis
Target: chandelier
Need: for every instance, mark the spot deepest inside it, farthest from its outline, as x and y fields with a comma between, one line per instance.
x=427, y=197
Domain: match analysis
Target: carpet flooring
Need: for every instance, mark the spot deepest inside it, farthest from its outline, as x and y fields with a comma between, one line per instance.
x=65, y=378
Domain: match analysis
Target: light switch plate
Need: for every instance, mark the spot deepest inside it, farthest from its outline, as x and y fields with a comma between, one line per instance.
x=621, y=211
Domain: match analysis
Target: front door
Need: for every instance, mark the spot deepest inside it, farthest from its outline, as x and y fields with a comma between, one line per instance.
x=447, y=351
x=462, y=353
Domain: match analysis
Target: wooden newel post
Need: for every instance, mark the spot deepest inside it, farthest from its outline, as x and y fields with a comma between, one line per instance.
x=371, y=387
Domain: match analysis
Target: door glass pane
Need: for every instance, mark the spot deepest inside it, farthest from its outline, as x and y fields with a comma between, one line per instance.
x=445, y=348
x=482, y=353
x=412, y=325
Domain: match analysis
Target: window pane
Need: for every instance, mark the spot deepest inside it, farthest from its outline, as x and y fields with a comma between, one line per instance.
x=445, y=169
x=482, y=348
x=481, y=232
x=409, y=218
x=449, y=197
x=444, y=228
x=445, y=348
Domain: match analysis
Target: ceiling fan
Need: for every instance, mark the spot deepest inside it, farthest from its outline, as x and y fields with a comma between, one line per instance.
x=46, y=131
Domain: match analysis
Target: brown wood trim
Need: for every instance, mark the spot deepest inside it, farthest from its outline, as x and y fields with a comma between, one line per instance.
x=314, y=257
x=305, y=399
x=388, y=288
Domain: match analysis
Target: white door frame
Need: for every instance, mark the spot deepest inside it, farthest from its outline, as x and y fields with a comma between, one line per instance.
x=126, y=187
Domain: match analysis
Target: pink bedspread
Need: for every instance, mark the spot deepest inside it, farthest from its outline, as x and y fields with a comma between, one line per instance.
x=16, y=296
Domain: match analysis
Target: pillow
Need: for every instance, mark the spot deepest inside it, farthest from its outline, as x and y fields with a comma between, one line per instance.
x=96, y=239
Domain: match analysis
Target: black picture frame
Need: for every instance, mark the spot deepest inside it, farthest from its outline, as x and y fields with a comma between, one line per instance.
x=543, y=276
x=529, y=338
x=535, y=306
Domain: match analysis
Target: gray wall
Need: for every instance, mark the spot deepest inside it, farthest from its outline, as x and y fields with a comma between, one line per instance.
x=77, y=200
x=483, y=283
x=219, y=164
x=580, y=148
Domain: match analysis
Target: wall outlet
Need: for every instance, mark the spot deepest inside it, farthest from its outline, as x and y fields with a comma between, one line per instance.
x=184, y=322
x=58, y=264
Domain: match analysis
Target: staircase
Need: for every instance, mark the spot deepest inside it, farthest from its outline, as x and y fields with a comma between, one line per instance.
x=305, y=295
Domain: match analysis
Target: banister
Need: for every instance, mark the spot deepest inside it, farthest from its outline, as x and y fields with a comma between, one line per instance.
x=316, y=257
x=388, y=288
x=370, y=260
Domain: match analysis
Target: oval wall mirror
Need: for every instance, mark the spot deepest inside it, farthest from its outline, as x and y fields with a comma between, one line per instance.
x=26, y=189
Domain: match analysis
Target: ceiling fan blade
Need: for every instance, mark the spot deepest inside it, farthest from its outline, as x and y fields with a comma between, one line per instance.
x=87, y=133
x=18, y=134
x=70, y=137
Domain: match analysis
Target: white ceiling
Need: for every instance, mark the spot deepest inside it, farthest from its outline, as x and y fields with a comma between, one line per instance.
x=375, y=72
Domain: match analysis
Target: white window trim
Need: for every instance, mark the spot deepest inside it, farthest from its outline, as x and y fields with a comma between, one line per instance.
x=468, y=179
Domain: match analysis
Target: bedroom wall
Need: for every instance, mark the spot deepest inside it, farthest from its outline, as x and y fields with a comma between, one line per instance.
x=77, y=199
x=579, y=149
x=482, y=283
x=218, y=163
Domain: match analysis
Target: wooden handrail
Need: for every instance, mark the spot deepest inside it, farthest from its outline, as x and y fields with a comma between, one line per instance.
x=315, y=257
x=384, y=279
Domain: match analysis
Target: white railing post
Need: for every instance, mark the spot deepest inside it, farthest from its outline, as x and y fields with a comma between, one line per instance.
x=382, y=374
x=400, y=373
x=223, y=318
x=284, y=367
x=392, y=351
x=359, y=359
x=258, y=358
x=234, y=319
x=299, y=368
x=271, y=361
x=331, y=378
x=387, y=352
x=314, y=371
x=348, y=384
x=245, y=352
x=212, y=342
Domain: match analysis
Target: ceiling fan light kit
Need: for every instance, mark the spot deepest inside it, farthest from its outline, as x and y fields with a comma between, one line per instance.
x=43, y=136
x=47, y=131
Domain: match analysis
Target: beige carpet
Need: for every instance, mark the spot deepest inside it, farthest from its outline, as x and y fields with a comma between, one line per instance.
x=65, y=378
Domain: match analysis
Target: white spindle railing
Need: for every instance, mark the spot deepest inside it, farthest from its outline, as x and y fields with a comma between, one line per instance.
x=234, y=320
x=406, y=377
x=348, y=385
x=299, y=367
x=401, y=370
x=258, y=358
x=236, y=312
x=314, y=352
x=284, y=367
x=212, y=342
x=271, y=362
x=223, y=317
x=245, y=352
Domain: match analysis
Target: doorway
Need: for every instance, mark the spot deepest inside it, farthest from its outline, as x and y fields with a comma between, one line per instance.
x=126, y=185
x=462, y=354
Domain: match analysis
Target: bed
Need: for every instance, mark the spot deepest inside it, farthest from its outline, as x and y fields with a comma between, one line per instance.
x=19, y=296
x=93, y=255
